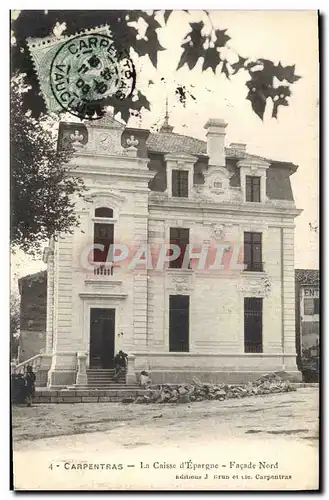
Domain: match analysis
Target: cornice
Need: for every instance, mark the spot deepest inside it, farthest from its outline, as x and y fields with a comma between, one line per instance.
x=232, y=209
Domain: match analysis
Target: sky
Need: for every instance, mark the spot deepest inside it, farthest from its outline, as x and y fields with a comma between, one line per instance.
x=286, y=36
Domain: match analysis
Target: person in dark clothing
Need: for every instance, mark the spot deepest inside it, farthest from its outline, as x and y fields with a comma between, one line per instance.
x=120, y=364
x=18, y=389
x=29, y=385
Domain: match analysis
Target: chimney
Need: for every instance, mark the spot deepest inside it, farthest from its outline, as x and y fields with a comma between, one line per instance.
x=216, y=141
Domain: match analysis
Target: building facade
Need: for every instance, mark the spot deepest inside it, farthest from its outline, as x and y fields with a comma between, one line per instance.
x=308, y=322
x=223, y=308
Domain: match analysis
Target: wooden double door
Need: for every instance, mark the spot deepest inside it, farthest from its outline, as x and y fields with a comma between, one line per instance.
x=102, y=338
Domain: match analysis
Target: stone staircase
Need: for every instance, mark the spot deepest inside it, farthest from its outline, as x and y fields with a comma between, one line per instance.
x=101, y=388
x=103, y=379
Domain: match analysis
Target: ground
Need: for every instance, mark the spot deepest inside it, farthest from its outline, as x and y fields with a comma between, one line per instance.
x=270, y=433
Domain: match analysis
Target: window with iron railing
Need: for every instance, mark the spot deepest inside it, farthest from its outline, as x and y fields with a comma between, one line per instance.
x=253, y=251
x=103, y=235
x=253, y=324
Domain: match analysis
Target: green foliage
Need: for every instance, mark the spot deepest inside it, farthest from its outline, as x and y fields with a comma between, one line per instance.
x=198, y=44
x=42, y=188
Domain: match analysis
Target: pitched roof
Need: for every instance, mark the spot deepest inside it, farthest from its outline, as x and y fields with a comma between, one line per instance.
x=164, y=142
x=307, y=276
x=170, y=142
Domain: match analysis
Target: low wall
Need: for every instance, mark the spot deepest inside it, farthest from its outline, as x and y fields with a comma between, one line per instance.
x=87, y=396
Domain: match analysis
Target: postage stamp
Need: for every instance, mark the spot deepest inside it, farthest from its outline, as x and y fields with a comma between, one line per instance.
x=78, y=73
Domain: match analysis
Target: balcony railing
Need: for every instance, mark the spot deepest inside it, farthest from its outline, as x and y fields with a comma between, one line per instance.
x=254, y=266
x=253, y=347
x=104, y=270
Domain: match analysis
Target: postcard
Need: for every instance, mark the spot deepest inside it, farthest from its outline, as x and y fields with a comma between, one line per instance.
x=165, y=301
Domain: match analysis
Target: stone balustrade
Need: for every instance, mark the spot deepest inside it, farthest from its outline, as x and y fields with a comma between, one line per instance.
x=40, y=365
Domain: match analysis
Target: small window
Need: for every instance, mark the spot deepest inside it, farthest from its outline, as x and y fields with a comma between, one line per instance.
x=218, y=185
x=104, y=212
x=179, y=186
x=252, y=188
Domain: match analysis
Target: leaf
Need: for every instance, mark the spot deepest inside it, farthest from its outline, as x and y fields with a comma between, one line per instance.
x=225, y=69
x=211, y=59
x=153, y=46
x=239, y=64
x=279, y=97
x=166, y=15
x=286, y=73
x=260, y=88
x=189, y=56
x=193, y=47
x=258, y=101
x=151, y=21
x=221, y=38
x=126, y=106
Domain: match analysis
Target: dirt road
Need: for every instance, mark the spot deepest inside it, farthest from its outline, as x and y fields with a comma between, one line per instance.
x=252, y=443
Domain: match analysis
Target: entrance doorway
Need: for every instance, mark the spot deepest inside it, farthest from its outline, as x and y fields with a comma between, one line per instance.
x=102, y=331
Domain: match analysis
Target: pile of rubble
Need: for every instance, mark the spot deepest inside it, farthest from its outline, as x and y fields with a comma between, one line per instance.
x=198, y=391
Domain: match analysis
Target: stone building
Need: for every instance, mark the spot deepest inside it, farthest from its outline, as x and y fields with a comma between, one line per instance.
x=308, y=321
x=222, y=309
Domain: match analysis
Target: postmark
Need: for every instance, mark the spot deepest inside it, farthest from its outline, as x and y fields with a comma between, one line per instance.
x=78, y=74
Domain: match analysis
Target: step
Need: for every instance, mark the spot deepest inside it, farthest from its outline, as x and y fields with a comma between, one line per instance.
x=108, y=379
x=119, y=387
x=101, y=370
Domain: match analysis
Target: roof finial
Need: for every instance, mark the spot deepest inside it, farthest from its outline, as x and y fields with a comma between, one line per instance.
x=166, y=127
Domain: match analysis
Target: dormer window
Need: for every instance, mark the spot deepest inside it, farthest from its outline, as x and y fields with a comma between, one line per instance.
x=253, y=179
x=179, y=181
x=180, y=170
x=218, y=185
x=252, y=188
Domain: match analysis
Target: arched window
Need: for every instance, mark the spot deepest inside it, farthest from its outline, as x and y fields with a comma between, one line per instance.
x=104, y=212
x=103, y=235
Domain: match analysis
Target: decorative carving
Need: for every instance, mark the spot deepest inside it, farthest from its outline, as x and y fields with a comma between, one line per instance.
x=132, y=142
x=218, y=231
x=267, y=285
x=180, y=283
x=258, y=288
x=103, y=141
x=104, y=136
x=76, y=140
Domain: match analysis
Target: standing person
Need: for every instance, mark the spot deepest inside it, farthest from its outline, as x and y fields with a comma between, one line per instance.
x=29, y=385
x=120, y=364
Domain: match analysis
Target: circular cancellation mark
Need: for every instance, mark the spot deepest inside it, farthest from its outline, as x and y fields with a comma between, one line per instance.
x=86, y=71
